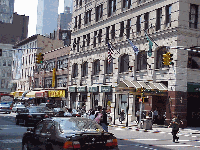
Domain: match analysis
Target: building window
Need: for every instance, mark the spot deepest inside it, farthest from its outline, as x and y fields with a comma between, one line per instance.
x=78, y=41
x=126, y=3
x=88, y=16
x=109, y=67
x=113, y=32
x=75, y=71
x=79, y=22
x=193, y=60
x=121, y=29
x=142, y=60
x=193, y=16
x=111, y=7
x=138, y=24
x=4, y=62
x=124, y=63
x=159, y=57
x=158, y=19
x=74, y=44
x=76, y=3
x=94, y=42
x=84, y=68
x=128, y=27
x=88, y=39
x=146, y=20
x=107, y=35
x=99, y=12
x=96, y=67
x=84, y=39
x=99, y=35
x=80, y=2
x=9, y=63
x=168, y=13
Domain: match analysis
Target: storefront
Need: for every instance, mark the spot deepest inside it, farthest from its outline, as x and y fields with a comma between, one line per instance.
x=57, y=96
x=107, y=90
x=94, y=95
x=82, y=97
x=41, y=97
x=73, y=96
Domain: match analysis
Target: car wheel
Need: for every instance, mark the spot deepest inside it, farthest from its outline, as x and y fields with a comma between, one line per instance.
x=17, y=121
x=25, y=147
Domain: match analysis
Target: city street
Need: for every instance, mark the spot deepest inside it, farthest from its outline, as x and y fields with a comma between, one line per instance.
x=128, y=139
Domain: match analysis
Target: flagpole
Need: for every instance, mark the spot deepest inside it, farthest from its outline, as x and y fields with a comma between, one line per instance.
x=150, y=37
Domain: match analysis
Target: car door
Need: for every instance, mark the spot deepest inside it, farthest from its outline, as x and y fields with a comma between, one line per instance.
x=46, y=133
x=37, y=136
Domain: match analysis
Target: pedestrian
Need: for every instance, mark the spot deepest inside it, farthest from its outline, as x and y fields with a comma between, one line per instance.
x=69, y=113
x=175, y=127
x=122, y=116
x=92, y=115
x=99, y=115
x=104, y=122
x=138, y=116
x=155, y=116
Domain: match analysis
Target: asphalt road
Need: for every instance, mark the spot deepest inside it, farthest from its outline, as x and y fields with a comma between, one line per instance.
x=128, y=139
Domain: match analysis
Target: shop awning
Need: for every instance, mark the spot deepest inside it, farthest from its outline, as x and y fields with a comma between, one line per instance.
x=18, y=93
x=12, y=93
x=31, y=94
x=93, y=88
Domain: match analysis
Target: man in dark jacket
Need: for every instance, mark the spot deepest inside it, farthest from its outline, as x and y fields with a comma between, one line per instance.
x=104, y=122
x=175, y=127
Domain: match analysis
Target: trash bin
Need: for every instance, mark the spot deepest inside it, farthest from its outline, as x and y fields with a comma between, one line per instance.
x=147, y=124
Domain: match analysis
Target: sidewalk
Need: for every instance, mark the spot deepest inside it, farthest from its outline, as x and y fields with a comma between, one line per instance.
x=155, y=128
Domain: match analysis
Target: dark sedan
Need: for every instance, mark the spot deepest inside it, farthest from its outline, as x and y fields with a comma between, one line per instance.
x=60, y=133
x=32, y=115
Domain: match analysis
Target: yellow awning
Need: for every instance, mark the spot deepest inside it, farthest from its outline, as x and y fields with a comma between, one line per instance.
x=12, y=93
x=18, y=93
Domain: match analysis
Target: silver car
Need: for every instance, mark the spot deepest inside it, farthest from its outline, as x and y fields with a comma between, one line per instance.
x=18, y=107
x=5, y=108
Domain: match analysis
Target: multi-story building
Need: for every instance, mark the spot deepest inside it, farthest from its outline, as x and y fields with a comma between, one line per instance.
x=167, y=23
x=47, y=14
x=52, y=76
x=30, y=47
x=15, y=31
x=6, y=68
x=64, y=19
x=6, y=11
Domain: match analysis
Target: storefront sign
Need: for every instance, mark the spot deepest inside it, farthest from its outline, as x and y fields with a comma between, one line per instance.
x=58, y=93
x=39, y=94
x=105, y=88
x=93, y=89
x=72, y=89
x=81, y=89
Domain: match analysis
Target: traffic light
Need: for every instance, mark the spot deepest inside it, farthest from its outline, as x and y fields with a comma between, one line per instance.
x=142, y=92
x=39, y=58
x=165, y=59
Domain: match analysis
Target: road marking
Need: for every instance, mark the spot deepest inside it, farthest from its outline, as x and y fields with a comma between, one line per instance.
x=11, y=141
x=176, y=145
x=146, y=139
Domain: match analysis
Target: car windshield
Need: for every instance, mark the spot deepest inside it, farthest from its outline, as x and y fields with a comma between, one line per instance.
x=38, y=109
x=78, y=124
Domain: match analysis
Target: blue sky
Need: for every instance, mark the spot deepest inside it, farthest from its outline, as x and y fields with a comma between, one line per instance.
x=29, y=8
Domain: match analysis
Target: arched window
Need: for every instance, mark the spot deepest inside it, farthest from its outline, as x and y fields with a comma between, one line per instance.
x=159, y=57
x=84, y=69
x=109, y=67
x=124, y=63
x=142, y=60
x=96, y=67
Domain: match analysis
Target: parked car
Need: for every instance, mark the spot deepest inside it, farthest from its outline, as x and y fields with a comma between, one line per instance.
x=32, y=115
x=58, y=111
x=18, y=107
x=5, y=108
x=59, y=133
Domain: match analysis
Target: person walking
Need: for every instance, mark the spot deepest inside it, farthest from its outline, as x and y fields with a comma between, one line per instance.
x=122, y=116
x=155, y=116
x=104, y=122
x=175, y=127
x=92, y=115
x=138, y=116
x=99, y=115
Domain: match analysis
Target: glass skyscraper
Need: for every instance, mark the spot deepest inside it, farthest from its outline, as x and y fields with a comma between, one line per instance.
x=47, y=14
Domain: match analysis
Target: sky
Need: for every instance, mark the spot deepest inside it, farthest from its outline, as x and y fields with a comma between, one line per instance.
x=29, y=8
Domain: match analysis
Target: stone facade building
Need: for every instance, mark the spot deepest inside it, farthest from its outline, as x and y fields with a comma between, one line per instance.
x=168, y=23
